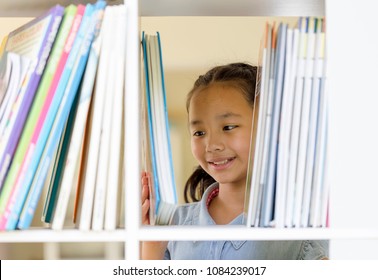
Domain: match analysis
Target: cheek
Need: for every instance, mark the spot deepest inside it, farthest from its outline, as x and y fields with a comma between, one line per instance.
x=197, y=149
x=243, y=144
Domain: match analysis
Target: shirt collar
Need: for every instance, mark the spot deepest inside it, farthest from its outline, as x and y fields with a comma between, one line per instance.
x=204, y=218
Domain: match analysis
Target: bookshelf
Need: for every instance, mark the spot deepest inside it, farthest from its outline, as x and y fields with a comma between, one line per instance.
x=354, y=226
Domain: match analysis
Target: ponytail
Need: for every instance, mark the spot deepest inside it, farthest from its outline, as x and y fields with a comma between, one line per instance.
x=196, y=185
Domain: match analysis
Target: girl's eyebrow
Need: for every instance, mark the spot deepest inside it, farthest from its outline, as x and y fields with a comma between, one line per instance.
x=228, y=115
x=221, y=116
x=195, y=122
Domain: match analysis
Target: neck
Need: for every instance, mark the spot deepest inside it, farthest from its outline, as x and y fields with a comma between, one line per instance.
x=228, y=204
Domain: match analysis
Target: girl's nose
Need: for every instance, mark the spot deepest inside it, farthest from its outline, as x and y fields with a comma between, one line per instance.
x=214, y=143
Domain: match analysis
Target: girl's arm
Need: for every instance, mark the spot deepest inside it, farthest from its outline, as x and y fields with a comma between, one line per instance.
x=151, y=250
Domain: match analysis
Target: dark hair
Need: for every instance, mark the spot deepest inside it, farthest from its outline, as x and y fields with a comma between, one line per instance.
x=239, y=75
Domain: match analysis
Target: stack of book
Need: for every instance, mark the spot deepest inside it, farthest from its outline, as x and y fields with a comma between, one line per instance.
x=62, y=118
x=287, y=185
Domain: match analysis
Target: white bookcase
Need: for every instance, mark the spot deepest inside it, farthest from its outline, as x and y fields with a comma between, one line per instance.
x=353, y=137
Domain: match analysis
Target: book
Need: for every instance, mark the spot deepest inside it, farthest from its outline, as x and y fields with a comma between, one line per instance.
x=103, y=167
x=17, y=196
x=285, y=127
x=302, y=195
x=77, y=65
x=309, y=192
x=295, y=126
x=270, y=190
x=87, y=182
x=42, y=30
x=68, y=179
x=115, y=182
x=164, y=196
x=320, y=185
x=256, y=187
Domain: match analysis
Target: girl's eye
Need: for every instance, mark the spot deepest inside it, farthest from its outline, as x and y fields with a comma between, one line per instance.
x=198, y=133
x=229, y=127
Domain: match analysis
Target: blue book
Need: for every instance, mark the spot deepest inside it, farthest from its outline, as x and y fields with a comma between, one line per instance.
x=55, y=134
x=156, y=198
x=163, y=193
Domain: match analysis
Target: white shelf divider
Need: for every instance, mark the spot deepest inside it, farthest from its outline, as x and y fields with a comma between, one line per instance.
x=132, y=128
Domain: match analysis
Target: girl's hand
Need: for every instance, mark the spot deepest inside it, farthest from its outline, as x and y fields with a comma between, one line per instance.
x=145, y=197
x=151, y=250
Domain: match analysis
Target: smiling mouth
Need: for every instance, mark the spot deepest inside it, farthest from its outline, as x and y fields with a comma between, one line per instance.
x=221, y=162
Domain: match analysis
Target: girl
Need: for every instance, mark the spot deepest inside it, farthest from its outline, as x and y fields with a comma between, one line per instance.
x=220, y=108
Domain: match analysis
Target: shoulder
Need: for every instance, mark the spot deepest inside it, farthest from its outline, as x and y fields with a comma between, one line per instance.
x=186, y=214
x=314, y=250
x=194, y=213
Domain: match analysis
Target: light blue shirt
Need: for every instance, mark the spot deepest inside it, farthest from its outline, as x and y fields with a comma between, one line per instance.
x=197, y=214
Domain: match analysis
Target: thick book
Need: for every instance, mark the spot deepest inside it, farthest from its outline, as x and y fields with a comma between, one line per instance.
x=17, y=198
x=163, y=196
x=52, y=128
x=42, y=30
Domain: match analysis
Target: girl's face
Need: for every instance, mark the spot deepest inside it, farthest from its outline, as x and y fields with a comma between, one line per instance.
x=220, y=121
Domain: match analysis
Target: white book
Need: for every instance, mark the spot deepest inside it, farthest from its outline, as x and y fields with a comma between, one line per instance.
x=87, y=183
x=114, y=183
x=252, y=181
x=294, y=137
x=302, y=197
x=267, y=131
x=310, y=194
x=269, y=191
x=258, y=170
x=319, y=198
x=106, y=123
x=284, y=133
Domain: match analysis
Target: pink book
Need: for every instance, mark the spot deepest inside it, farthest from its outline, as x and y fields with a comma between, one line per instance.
x=17, y=193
